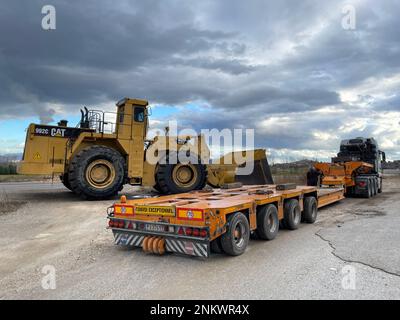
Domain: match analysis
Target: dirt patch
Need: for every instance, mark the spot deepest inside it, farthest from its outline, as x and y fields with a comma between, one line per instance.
x=7, y=205
x=368, y=213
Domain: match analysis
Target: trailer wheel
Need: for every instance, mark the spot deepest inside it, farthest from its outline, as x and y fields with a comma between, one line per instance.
x=216, y=246
x=267, y=222
x=310, y=212
x=236, y=238
x=97, y=172
x=292, y=214
x=172, y=178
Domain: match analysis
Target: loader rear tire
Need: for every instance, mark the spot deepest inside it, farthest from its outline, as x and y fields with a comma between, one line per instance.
x=267, y=222
x=292, y=214
x=172, y=178
x=97, y=172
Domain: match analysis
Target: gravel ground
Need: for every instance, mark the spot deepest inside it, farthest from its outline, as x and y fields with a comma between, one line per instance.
x=351, y=252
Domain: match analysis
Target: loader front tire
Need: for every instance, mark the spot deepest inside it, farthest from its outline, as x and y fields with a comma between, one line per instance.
x=65, y=181
x=172, y=178
x=97, y=173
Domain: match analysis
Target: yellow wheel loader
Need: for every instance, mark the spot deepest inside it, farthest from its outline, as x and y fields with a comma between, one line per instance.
x=108, y=150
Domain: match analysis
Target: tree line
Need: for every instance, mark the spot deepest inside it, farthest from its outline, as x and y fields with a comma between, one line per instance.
x=8, y=168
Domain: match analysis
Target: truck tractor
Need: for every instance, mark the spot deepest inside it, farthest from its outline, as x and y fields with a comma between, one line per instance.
x=357, y=166
x=107, y=150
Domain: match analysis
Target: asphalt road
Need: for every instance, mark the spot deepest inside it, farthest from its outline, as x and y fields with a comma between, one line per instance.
x=352, y=252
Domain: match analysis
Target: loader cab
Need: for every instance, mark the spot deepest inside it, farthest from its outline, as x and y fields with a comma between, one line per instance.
x=132, y=119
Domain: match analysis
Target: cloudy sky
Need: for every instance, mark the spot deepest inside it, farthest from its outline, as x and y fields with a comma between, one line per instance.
x=287, y=69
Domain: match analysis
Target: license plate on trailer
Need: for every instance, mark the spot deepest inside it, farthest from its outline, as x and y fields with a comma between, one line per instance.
x=124, y=239
x=155, y=227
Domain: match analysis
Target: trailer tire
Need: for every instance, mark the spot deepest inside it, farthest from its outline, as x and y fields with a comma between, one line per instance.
x=267, y=222
x=236, y=238
x=194, y=175
x=292, y=214
x=310, y=212
x=97, y=172
x=216, y=246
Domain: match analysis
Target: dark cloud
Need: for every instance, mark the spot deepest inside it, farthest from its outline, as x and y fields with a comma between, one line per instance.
x=280, y=67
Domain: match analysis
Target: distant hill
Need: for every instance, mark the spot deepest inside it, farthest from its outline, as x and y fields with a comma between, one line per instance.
x=305, y=163
x=308, y=163
x=10, y=157
x=391, y=164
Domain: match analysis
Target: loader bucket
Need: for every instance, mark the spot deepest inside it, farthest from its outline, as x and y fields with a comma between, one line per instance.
x=261, y=173
x=229, y=166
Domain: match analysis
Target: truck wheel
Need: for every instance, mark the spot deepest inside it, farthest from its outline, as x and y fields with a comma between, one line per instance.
x=267, y=222
x=236, y=238
x=376, y=186
x=216, y=246
x=369, y=191
x=174, y=178
x=380, y=187
x=97, y=172
x=65, y=181
x=292, y=214
x=310, y=212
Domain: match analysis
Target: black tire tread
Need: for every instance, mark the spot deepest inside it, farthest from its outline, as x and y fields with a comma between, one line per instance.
x=309, y=202
x=289, y=206
x=262, y=229
x=76, y=169
x=227, y=240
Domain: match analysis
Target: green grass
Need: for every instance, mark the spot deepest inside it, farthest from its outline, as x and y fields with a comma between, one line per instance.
x=23, y=177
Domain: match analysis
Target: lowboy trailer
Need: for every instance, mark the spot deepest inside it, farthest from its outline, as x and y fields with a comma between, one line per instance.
x=215, y=220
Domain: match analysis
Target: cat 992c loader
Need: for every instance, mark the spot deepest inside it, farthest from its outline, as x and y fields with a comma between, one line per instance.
x=96, y=158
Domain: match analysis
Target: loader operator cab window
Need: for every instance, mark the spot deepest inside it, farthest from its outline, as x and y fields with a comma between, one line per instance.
x=138, y=114
x=121, y=115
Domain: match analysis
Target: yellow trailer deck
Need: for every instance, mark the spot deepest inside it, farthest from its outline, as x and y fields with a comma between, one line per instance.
x=219, y=220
